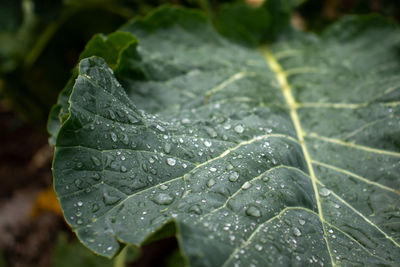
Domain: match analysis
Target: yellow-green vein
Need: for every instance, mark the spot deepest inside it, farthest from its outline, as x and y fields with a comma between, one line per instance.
x=281, y=76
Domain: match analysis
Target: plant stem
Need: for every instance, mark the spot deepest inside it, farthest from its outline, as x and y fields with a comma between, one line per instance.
x=120, y=259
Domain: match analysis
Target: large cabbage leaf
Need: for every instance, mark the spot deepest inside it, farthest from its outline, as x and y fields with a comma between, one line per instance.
x=281, y=155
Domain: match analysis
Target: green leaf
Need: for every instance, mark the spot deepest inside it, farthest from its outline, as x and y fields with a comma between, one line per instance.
x=278, y=156
x=74, y=254
x=10, y=15
x=111, y=48
x=253, y=26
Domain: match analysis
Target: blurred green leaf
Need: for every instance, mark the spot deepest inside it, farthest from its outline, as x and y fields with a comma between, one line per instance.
x=252, y=26
x=69, y=253
x=73, y=253
x=10, y=15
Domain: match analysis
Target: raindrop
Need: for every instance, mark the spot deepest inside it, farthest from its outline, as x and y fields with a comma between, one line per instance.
x=296, y=231
x=95, y=207
x=160, y=128
x=114, y=137
x=109, y=248
x=258, y=247
x=233, y=176
x=298, y=258
x=302, y=222
x=163, y=187
x=185, y=121
x=324, y=192
x=132, y=119
x=195, y=209
x=171, y=161
x=80, y=203
x=79, y=221
x=211, y=182
x=78, y=183
x=123, y=168
x=163, y=199
x=253, y=211
x=167, y=148
x=125, y=139
x=96, y=176
x=213, y=169
x=112, y=114
x=239, y=128
x=110, y=200
x=96, y=161
x=144, y=167
x=207, y=143
x=246, y=185
x=211, y=132
x=229, y=167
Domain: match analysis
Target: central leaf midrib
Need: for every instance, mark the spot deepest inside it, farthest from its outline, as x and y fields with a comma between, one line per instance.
x=286, y=89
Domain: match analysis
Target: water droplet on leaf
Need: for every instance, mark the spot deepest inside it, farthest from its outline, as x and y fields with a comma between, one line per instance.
x=171, y=161
x=114, y=137
x=109, y=199
x=195, y=209
x=96, y=161
x=211, y=182
x=253, y=211
x=233, y=176
x=246, y=185
x=207, y=143
x=163, y=199
x=78, y=183
x=163, y=187
x=324, y=192
x=239, y=128
x=167, y=148
x=229, y=167
x=296, y=231
x=95, y=207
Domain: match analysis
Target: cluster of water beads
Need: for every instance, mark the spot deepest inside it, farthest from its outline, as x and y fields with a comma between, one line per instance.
x=165, y=198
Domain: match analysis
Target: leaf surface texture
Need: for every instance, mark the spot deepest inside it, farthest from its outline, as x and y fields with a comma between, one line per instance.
x=282, y=155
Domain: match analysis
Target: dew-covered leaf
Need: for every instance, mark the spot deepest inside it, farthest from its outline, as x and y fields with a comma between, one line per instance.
x=286, y=155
